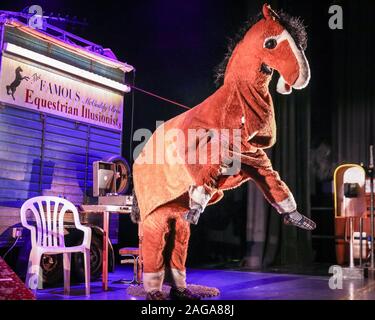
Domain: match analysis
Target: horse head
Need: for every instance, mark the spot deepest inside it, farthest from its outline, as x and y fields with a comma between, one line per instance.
x=276, y=42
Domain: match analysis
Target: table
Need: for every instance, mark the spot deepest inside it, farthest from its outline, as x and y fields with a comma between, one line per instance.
x=105, y=210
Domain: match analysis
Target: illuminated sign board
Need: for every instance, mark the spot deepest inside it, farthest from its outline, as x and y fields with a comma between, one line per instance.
x=41, y=88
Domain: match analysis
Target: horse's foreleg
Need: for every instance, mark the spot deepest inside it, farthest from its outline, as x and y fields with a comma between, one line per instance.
x=258, y=167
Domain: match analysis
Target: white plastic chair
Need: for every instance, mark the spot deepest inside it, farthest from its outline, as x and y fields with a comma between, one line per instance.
x=47, y=237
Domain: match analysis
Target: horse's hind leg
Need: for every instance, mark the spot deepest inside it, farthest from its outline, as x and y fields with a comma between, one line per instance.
x=154, y=229
x=178, y=254
x=164, y=246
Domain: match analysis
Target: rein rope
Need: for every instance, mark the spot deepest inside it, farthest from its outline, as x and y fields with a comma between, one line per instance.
x=133, y=105
x=158, y=97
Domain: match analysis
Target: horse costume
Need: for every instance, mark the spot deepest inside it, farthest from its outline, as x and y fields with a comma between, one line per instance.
x=239, y=116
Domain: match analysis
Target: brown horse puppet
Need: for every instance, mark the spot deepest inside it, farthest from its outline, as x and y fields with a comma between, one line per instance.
x=173, y=187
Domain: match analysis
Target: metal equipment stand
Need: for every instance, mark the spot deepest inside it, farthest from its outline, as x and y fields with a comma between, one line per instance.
x=353, y=272
x=371, y=268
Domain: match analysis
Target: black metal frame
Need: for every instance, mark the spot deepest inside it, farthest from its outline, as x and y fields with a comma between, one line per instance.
x=57, y=32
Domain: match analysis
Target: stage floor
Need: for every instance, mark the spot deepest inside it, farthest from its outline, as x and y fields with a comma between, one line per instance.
x=233, y=285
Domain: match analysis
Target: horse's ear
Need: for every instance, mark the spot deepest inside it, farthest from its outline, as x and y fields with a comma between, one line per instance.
x=268, y=13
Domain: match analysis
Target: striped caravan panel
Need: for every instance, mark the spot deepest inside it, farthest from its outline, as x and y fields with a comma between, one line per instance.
x=45, y=155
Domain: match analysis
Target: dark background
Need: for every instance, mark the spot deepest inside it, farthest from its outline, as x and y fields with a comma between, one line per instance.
x=175, y=46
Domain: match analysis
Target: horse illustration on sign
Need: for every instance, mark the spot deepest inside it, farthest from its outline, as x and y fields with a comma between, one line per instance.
x=11, y=89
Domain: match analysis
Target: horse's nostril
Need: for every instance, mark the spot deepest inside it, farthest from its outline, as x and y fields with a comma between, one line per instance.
x=265, y=69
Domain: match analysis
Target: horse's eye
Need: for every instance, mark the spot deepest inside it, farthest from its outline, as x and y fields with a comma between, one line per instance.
x=270, y=44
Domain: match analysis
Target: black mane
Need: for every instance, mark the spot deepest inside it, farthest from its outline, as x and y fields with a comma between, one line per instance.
x=294, y=25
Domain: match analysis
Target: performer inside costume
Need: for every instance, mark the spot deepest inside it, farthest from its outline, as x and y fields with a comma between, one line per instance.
x=172, y=191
